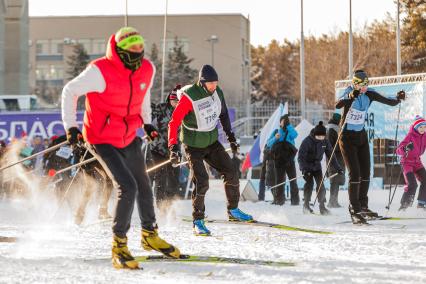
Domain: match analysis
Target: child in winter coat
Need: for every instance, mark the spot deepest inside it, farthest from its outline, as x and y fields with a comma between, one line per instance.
x=411, y=149
x=311, y=153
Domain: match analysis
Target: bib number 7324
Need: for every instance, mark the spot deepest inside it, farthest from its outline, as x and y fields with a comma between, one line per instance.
x=355, y=117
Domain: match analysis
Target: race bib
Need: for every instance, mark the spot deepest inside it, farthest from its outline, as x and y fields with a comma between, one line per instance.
x=64, y=152
x=207, y=112
x=355, y=116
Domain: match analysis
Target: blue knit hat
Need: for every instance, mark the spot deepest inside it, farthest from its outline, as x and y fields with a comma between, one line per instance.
x=418, y=121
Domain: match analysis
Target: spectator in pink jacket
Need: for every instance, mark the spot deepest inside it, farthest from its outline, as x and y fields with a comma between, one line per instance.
x=411, y=149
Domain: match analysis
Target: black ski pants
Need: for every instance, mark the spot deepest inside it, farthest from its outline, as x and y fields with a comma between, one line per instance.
x=336, y=181
x=309, y=186
x=356, y=153
x=216, y=157
x=290, y=170
x=166, y=179
x=262, y=185
x=126, y=167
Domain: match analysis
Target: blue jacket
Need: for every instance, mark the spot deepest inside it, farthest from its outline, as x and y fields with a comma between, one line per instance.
x=292, y=134
x=312, y=151
x=361, y=103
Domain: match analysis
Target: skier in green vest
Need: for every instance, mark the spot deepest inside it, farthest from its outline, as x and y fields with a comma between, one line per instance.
x=199, y=110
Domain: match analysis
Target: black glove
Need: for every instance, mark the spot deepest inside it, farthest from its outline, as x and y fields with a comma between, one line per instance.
x=340, y=172
x=409, y=147
x=354, y=94
x=235, y=147
x=151, y=131
x=74, y=135
x=400, y=95
x=175, y=155
x=306, y=174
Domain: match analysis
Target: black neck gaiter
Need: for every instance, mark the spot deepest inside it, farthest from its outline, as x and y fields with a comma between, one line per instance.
x=131, y=60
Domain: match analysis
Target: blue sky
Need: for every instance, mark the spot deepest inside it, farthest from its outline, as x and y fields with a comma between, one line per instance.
x=270, y=19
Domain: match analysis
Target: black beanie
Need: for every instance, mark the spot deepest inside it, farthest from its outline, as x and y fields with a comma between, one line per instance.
x=207, y=74
x=320, y=129
x=284, y=117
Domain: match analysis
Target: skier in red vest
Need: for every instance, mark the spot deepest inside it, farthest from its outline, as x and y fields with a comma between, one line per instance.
x=199, y=110
x=117, y=88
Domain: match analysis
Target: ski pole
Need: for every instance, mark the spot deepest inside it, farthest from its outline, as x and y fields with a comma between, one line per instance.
x=290, y=180
x=393, y=158
x=332, y=176
x=158, y=166
x=69, y=186
x=332, y=153
x=52, y=172
x=175, y=165
x=50, y=149
x=186, y=162
x=396, y=185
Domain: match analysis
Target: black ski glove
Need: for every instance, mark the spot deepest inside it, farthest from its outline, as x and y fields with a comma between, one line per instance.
x=74, y=135
x=175, y=155
x=150, y=131
x=409, y=147
x=235, y=147
x=354, y=94
x=400, y=95
x=306, y=174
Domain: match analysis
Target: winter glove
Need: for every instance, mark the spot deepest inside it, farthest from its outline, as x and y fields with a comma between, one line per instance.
x=409, y=147
x=175, y=155
x=74, y=135
x=340, y=172
x=235, y=147
x=306, y=174
x=400, y=95
x=150, y=131
x=354, y=94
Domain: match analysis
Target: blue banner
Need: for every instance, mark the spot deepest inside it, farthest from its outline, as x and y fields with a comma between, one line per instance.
x=382, y=119
x=46, y=124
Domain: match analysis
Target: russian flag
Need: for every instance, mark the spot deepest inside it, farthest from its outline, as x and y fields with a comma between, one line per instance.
x=255, y=156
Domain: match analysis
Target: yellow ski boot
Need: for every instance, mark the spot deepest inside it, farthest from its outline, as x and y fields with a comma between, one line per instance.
x=151, y=241
x=121, y=257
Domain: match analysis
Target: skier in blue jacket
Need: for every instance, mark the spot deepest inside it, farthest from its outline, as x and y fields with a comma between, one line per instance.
x=355, y=102
x=279, y=143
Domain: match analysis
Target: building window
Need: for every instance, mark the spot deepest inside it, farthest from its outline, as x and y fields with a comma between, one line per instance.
x=86, y=44
x=49, y=72
x=41, y=72
x=98, y=46
x=42, y=46
x=56, y=46
x=170, y=44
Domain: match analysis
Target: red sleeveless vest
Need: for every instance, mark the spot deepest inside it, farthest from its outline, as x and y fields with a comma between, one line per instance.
x=113, y=116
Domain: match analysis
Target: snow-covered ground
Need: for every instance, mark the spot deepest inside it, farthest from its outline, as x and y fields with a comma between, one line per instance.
x=56, y=251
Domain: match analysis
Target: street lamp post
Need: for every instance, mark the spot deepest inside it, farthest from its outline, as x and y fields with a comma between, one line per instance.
x=398, y=40
x=213, y=39
x=350, y=51
x=163, y=61
x=302, y=65
x=126, y=20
